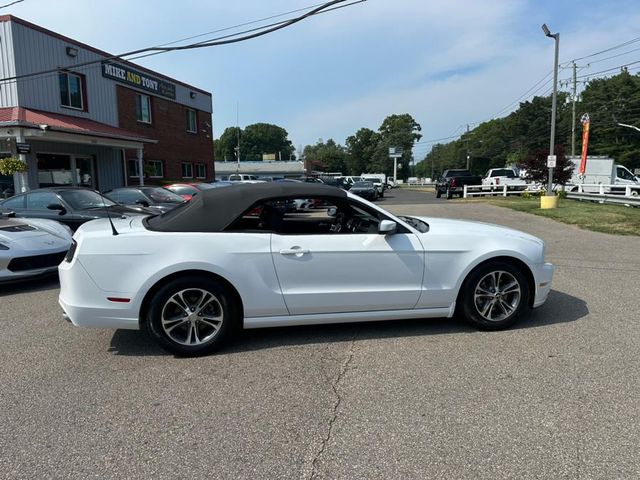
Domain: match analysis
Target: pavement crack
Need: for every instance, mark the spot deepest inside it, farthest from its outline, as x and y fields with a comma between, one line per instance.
x=344, y=368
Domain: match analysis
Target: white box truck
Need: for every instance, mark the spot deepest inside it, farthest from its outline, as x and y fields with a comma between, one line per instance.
x=602, y=170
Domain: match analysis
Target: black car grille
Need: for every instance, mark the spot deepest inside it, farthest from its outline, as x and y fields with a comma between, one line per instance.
x=21, y=264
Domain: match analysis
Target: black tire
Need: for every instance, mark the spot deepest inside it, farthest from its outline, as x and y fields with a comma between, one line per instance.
x=478, y=312
x=449, y=194
x=221, y=305
x=438, y=193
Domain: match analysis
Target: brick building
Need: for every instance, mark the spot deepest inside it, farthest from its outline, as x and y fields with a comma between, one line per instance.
x=92, y=120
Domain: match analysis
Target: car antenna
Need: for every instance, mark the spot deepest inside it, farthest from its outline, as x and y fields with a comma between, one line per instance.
x=113, y=227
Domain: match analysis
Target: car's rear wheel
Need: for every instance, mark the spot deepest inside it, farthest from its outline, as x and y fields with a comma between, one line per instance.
x=494, y=295
x=192, y=316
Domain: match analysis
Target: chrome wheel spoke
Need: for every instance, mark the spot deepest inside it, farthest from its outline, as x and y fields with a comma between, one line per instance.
x=511, y=287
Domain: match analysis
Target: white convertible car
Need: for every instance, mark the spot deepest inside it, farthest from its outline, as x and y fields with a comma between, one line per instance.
x=31, y=247
x=246, y=257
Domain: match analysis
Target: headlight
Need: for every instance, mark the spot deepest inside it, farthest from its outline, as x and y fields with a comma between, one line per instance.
x=3, y=247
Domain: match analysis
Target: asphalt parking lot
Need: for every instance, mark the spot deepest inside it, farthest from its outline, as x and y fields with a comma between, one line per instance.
x=556, y=397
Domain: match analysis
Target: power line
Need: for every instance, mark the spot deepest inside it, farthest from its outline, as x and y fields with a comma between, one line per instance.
x=12, y=3
x=224, y=40
x=614, y=56
x=608, y=70
x=615, y=47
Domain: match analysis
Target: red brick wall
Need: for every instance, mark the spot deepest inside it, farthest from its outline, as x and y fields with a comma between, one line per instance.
x=169, y=127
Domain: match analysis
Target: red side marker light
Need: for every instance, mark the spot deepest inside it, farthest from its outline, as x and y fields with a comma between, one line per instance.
x=118, y=299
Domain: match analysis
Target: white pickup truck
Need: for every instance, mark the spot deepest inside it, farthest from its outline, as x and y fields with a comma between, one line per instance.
x=497, y=177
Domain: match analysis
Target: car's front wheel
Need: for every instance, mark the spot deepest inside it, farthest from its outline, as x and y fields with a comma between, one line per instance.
x=191, y=316
x=494, y=295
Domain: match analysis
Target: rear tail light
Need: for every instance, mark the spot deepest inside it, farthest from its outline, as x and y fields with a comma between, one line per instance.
x=497, y=180
x=71, y=252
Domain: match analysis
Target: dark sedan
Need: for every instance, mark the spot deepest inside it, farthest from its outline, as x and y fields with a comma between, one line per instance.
x=72, y=206
x=365, y=190
x=157, y=199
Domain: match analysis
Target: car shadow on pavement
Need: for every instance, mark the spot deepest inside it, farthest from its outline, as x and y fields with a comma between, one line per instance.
x=559, y=308
x=49, y=282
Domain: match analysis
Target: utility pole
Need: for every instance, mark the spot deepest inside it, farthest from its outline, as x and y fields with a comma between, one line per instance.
x=467, y=142
x=573, y=114
x=556, y=38
x=238, y=137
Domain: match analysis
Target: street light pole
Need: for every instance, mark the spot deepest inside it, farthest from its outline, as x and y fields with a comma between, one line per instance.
x=552, y=140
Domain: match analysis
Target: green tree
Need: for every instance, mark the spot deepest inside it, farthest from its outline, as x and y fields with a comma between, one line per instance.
x=255, y=140
x=395, y=131
x=361, y=148
x=261, y=138
x=226, y=144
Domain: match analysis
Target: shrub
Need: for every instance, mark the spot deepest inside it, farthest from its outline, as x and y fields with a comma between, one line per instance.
x=11, y=165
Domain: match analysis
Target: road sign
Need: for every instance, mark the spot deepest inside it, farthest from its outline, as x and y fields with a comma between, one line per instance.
x=551, y=161
x=395, y=152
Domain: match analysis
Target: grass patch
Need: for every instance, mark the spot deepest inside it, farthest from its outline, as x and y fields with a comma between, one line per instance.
x=616, y=219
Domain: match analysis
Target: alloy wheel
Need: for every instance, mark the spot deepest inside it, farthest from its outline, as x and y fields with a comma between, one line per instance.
x=192, y=317
x=497, y=295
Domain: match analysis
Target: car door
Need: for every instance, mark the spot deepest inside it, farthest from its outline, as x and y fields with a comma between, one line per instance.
x=345, y=271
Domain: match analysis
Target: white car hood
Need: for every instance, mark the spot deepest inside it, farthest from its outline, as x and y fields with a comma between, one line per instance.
x=448, y=226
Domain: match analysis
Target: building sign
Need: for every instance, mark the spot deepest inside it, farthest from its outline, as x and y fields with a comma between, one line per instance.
x=138, y=79
x=23, y=148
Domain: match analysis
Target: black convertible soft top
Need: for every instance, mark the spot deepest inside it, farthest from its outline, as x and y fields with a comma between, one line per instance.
x=214, y=210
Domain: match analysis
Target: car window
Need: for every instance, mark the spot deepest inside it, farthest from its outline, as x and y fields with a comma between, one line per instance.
x=40, y=200
x=624, y=174
x=85, y=199
x=129, y=197
x=162, y=195
x=15, y=202
x=310, y=216
x=183, y=190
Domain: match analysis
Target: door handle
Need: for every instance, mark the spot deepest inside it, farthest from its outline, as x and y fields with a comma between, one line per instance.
x=297, y=251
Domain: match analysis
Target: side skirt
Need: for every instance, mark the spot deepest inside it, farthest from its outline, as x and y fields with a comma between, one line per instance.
x=323, y=318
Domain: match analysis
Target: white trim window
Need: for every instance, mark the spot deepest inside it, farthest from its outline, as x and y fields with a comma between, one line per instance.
x=201, y=170
x=187, y=170
x=71, y=89
x=192, y=121
x=158, y=168
x=143, y=108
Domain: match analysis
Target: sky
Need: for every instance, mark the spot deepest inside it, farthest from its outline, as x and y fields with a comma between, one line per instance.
x=448, y=63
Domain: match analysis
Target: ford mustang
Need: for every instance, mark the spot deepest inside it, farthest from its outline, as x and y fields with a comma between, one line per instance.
x=237, y=258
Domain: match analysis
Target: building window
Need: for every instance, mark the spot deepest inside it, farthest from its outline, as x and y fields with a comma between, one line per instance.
x=71, y=89
x=132, y=167
x=187, y=170
x=201, y=170
x=143, y=108
x=192, y=124
x=155, y=169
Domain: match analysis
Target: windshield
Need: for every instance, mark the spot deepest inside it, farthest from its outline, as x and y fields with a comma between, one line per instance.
x=162, y=195
x=504, y=172
x=85, y=199
x=362, y=185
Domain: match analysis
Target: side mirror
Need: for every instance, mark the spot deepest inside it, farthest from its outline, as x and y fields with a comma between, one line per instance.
x=387, y=227
x=143, y=203
x=57, y=206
